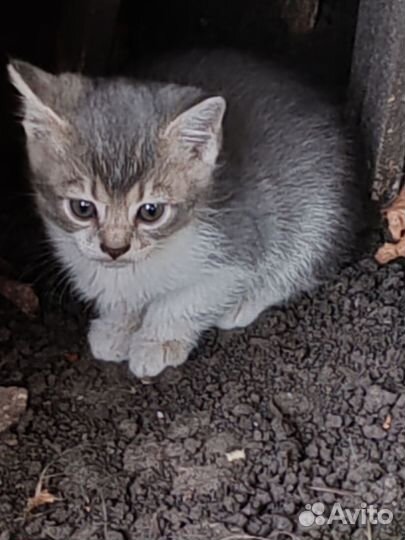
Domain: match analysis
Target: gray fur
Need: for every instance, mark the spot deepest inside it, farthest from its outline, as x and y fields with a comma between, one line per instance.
x=276, y=211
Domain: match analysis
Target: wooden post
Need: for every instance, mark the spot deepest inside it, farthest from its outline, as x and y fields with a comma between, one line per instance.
x=300, y=15
x=377, y=91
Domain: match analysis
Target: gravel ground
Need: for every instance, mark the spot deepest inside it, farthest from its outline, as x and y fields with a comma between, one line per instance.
x=306, y=406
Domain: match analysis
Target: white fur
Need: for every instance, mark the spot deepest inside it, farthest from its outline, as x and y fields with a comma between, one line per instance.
x=152, y=310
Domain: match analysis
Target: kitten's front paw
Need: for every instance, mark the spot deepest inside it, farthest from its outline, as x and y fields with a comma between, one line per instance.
x=149, y=358
x=108, y=341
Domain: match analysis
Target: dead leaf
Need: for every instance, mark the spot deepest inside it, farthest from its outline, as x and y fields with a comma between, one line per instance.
x=21, y=295
x=40, y=499
x=13, y=403
x=389, y=252
x=395, y=215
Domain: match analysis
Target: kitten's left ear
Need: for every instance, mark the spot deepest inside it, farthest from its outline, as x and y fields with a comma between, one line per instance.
x=198, y=131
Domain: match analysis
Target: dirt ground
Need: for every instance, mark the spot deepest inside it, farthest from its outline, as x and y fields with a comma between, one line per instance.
x=306, y=406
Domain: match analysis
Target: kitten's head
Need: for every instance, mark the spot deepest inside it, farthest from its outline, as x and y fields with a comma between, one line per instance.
x=117, y=166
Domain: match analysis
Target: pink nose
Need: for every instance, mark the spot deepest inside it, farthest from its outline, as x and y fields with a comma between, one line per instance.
x=114, y=253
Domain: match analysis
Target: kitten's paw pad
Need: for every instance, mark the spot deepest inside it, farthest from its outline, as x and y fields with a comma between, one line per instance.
x=108, y=342
x=149, y=358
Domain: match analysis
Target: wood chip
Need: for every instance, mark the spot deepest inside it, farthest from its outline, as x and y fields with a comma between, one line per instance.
x=13, y=403
x=236, y=455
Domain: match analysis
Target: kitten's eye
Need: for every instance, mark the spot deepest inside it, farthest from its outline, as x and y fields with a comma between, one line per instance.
x=151, y=212
x=83, y=209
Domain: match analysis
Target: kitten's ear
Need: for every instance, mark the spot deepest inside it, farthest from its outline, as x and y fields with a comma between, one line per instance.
x=198, y=130
x=36, y=89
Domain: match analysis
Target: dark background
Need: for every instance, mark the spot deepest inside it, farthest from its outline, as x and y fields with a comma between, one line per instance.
x=103, y=37
x=306, y=390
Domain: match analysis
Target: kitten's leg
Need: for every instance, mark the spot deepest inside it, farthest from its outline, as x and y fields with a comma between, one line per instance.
x=244, y=313
x=161, y=342
x=171, y=326
x=148, y=358
x=108, y=341
x=110, y=335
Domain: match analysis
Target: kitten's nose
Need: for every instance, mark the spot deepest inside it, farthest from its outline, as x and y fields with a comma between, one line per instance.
x=114, y=253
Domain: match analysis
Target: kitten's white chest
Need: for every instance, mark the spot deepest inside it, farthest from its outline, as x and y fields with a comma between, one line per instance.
x=137, y=284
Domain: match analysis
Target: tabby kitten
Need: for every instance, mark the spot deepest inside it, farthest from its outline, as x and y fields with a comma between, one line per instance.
x=196, y=202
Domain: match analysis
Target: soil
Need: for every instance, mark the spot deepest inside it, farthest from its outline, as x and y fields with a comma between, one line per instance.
x=305, y=406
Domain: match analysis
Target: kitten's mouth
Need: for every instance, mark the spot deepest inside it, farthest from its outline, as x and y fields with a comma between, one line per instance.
x=140, y=256
x=113, y=264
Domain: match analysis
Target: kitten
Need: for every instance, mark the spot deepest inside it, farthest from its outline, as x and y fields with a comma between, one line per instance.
x=181, y=205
